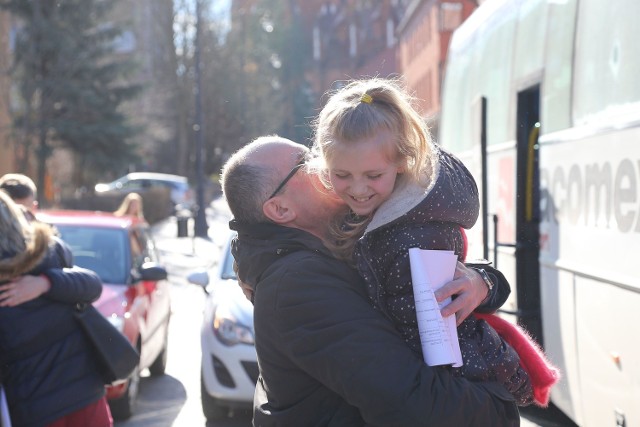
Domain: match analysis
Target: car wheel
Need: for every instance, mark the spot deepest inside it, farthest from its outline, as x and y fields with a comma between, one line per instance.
x=122, y=408
x=211, y=409
x=159, y=365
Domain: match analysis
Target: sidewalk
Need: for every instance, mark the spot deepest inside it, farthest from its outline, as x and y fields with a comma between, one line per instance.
x=190, y=253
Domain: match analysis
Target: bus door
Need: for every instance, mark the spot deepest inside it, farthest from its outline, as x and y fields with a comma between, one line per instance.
x=527, y=248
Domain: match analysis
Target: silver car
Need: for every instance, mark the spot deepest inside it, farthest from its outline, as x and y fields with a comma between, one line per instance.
x=181, y=193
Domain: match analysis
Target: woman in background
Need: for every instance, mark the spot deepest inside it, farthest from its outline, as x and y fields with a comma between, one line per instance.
x=131, y=205
x=46, y=364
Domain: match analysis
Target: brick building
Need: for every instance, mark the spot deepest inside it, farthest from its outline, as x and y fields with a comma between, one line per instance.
x=352, y=39
x=356, y=38
x=347, y=38
x=424, y=35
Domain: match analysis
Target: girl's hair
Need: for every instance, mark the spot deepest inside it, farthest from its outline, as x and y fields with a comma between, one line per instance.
x=22, y=245
x=364, y=107
x=345, y=230
x=360, y=110
x=14, y=227
x=124, y=207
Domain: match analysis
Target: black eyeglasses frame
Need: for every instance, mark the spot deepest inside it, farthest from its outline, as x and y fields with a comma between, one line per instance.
x=287, y=178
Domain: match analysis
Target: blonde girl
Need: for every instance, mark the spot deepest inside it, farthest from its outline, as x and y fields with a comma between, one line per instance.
x=374, y=150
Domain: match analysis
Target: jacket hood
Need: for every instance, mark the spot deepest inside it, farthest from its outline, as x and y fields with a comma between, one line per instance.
x=448, y=177
x=12, y=265
x=258, y=246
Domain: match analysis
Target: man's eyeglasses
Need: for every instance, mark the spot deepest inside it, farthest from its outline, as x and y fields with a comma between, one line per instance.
x=290, y=175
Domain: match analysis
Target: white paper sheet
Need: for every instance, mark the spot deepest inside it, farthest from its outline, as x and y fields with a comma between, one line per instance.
x=431, y=269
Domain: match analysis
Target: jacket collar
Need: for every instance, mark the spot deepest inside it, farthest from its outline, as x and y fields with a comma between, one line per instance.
x=258, y=246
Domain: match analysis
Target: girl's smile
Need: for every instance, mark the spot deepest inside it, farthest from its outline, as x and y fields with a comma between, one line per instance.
x=363, y=173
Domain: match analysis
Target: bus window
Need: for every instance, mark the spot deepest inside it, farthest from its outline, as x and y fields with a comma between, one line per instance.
x=496, y=48
x=453, y=132
x=606, y=67
x=530, y=40
x=464, y=88
x=556, y=96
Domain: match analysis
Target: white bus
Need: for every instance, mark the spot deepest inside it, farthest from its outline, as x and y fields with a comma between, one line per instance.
x=541, y=100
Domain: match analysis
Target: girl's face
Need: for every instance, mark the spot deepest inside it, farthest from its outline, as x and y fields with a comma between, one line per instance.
x=363, y=173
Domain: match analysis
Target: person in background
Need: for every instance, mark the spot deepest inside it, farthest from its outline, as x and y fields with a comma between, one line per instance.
x=47, y=367
x=327, y=357
x=131, y=205
x=22, y=190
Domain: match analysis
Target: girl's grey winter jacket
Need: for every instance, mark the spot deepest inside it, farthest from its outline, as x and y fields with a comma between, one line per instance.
x=432, y=216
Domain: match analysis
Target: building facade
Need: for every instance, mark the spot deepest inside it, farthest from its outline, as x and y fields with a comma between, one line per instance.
x=424, y=35
x=360, y=38
x=385, y=38
x=350, y=39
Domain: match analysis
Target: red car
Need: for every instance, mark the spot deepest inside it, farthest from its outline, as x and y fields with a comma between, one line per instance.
x=135, y=295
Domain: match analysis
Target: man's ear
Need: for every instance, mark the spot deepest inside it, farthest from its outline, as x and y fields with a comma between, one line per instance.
x=278, y=210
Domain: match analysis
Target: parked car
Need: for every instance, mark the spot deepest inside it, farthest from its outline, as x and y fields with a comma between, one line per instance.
x=229, y=368
x=181, y=193
x=135, y=295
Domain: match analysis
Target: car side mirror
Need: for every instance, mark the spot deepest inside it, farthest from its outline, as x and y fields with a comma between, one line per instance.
x=200, y=278
x=153, y=272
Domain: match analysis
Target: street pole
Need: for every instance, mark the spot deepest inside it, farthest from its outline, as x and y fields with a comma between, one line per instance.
x=200, y=227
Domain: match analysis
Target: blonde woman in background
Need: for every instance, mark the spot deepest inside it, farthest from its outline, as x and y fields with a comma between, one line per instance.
x=131, y=205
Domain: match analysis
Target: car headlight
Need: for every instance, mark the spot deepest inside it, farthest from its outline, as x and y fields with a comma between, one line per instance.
x=229, y=331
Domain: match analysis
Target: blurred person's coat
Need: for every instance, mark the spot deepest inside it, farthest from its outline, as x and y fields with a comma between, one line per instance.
x=46, y=364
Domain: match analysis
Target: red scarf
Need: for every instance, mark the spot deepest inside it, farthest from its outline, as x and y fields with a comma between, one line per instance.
x=542, y=373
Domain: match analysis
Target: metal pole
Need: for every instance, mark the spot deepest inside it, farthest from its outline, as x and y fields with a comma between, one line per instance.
x=200, y=227
x=483, y=184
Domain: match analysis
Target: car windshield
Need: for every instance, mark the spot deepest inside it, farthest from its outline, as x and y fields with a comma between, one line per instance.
x=118, y=183
x=102, y=250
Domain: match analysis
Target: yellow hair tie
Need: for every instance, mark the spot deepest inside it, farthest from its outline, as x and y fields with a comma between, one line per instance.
x=366, y=98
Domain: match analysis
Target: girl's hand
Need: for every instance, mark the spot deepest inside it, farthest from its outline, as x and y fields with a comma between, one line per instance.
x=23, y=289
x=470, y=291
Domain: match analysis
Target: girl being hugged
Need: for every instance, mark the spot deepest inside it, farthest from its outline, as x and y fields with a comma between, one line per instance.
x=374, y=150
